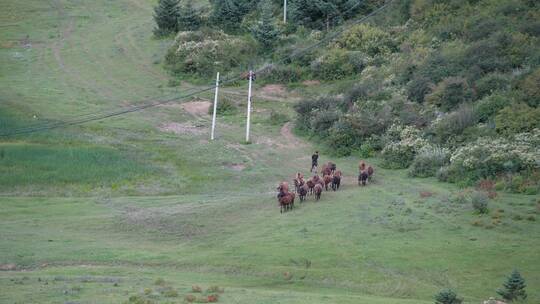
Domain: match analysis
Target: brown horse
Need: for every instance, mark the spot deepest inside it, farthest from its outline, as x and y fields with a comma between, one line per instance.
x=318, y=190
x=327, y=180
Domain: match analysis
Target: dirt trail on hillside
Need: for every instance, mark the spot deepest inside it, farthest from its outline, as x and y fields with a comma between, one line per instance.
x=292, y=140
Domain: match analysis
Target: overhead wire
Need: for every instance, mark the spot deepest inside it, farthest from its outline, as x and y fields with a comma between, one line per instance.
x=100, y=115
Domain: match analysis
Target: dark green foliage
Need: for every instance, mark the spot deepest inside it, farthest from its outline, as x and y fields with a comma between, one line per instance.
x=487, y=107
x=166, y=15
x=447, y=296
x=224, y=107
x=189, y=18
x=514, y=287
x=491, y=83
x=228, y=14
x=323, y=14
x=265, y=31
x=284, y=74
x=517, y=118
x=450, y=93
x=530, y=88
x=277, y=118
x=453, y=124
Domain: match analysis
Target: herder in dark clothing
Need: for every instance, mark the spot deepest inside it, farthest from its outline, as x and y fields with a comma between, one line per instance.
x=314, y=161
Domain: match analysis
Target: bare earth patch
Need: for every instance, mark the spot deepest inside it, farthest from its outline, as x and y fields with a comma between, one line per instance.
x=274, y=90
x=8, y=267
x=181, y=128
x=311, y=82
x=197, y=108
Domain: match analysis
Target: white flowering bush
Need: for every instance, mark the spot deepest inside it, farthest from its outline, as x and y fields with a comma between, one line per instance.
x=203, y=54
x=429, y=160
x=488, y=157
x=403, y=144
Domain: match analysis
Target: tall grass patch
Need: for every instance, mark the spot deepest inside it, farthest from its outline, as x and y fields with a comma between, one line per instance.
x=23, y=165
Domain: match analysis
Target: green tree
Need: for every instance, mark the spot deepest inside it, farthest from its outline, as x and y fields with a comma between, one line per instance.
x=514, y=287
x=166, y=15
x=447, y=296
x=228, y=14
x=265, y=31
x=189, y=18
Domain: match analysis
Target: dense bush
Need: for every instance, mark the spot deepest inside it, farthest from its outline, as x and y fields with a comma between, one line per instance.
x=447, y=296
x=277, y=118
x=402, y=147
x=283, y=74
x=453, y=124
x=530, y=88
x=204, y=53
x=487, y=107
x=337, y=64
x=517, y=118
x=450, y=93
x=367, y=39
x=486, y=158
x=224, y=107
x=491, y=83
x=428, y=161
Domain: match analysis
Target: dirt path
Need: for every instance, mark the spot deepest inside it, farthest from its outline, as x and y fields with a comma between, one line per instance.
x=286, y=132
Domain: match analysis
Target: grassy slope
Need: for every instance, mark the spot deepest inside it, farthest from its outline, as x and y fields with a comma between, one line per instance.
x=381, y=244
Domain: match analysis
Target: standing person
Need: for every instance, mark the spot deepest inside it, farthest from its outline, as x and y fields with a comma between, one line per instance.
x=314, y=161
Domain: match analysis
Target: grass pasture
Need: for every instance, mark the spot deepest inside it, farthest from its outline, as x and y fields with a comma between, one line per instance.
x=98, y=213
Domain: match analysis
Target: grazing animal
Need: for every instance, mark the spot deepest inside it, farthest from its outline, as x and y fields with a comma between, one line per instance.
x=328, y=168
x=370, y=172
x=298, y=181
x=362, y=178
x=327, y=180
x=318, y=190
x=362, y=166
x=286, y=202
x=302, y=192
x=336, y=181
x=310, y=185
x=333, y=166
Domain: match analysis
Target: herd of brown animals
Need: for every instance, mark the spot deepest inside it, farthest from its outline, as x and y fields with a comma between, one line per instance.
x=316, y=184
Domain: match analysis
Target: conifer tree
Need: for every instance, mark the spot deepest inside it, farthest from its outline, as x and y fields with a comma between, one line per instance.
x=189, y=18
x=514, y=287
x=265, y=31
x=166, y=15
x=447, y=296
x=227, y=14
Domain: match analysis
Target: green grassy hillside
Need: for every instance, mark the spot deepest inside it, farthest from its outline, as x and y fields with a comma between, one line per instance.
x=142, y=207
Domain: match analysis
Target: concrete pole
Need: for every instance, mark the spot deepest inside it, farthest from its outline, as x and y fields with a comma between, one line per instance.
x=284, y=11
x=215, y=108
x=249, y=106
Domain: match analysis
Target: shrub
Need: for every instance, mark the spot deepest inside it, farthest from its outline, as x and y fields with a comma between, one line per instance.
x=454, y=123
x=486, y=157
x=225, y=106
x=277, y=118
x=190, y=298
x=196, y=288
x=428, y=161
x=530, y=87
x=368, y=39
x=487, y=107
x=447, y=296
x=206, y=52
x=491, y=83
x=399, y=154
x=159, y=281
x=450, y=93
x=479, y=201
x=337, y=64
x=517, y=118
x=284, y=74
x=514, y=287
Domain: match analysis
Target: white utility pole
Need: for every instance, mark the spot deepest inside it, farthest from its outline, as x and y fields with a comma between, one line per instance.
x=250, y=75
x=284, y=11
x=215, y=107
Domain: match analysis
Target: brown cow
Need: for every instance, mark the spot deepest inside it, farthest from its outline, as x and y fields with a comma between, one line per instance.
x=286, y=201
x=310, y=185
x=298, y=181
x=336, y=181
x=362, y=166
x=318, y=190
x=327, y=180
x=370, y=172
x=302, y=192
x=362, y=178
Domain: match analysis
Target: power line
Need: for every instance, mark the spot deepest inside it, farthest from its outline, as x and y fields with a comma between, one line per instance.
x=84, y=118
